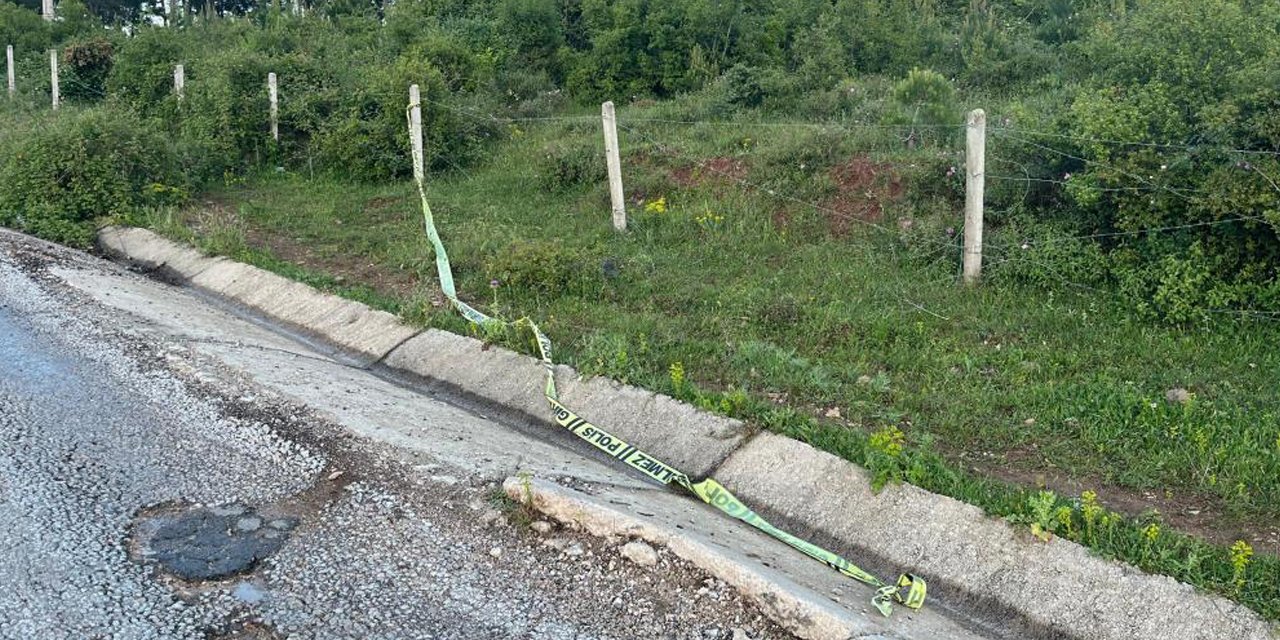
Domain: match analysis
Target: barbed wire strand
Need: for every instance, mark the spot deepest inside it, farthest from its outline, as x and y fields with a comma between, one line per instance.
x=1133, y=143
x=1099, y=163
x=797, y=125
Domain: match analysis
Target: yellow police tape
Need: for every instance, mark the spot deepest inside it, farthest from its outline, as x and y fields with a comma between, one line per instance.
x=909, y=590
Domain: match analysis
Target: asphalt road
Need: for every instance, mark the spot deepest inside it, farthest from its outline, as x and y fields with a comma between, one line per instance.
x=168, y=470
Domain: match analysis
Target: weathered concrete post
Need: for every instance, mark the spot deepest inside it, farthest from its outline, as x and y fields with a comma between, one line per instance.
x=415, y=133
x=274, y=95
x=53, y=76
x=13, y=85
x=46, y=9
x=180, y=82
x=614, y=162
x=975, y=185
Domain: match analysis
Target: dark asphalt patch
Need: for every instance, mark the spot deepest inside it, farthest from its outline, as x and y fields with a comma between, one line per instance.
x=216, y=542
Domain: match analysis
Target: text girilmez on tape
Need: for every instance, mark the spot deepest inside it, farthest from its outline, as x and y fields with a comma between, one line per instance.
x=909, y=590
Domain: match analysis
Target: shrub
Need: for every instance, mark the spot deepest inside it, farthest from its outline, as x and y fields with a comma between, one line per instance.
x=741, y=86
x=141, y=73
x=1047, y=255
x=368, y=138
x=82, y=166
x=926, y=99
x=87, y=63
x=564, y=165
x=23, y=28
x=542, y=266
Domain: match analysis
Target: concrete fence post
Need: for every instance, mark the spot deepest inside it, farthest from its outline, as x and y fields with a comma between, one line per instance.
x=46, y=9
x=273, y=94
x=53, y=76
x=614, y=162
x=8, y=57
x=180, y=82
x=974, y=188
x=415, y=133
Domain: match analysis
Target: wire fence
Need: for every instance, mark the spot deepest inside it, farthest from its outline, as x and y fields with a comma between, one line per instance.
x=1005, y=144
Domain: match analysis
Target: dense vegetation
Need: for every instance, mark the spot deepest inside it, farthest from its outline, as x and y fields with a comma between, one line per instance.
x=1133, y=201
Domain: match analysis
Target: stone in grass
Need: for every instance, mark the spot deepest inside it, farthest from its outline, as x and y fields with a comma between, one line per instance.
x=640, y=553
x=1177, y=395
x=541, y=526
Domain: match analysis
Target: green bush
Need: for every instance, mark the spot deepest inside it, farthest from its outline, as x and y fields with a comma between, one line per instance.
x=85, y=165
x=23, y=28
x=564, y=165
x=368, y=136
x=1046, y=255
x=87, y=63
x=927, y=100
x=543, y=267
x=141, y=75
x=1183, y=82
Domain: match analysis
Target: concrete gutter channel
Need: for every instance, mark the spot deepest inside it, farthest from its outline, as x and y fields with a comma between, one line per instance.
x=987, y=579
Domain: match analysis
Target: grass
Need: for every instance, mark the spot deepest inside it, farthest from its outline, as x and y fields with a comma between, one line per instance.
x=1045, y=405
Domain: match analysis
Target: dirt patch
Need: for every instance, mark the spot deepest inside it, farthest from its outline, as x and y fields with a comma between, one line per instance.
x=1185, y=512
x=863, y=188
x=217, y=215
x=345, y=267
x=720, y=170
x=380, y=203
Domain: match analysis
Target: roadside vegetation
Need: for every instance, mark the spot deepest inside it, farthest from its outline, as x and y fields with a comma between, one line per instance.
x=795, y=180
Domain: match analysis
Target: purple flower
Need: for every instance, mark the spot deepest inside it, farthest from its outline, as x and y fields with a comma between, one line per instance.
x=951, y=232
x=494, y=283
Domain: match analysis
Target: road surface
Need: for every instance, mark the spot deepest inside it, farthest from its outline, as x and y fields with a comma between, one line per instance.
x=169, y=469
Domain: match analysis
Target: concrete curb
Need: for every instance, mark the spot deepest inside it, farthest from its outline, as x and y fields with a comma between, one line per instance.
x=353, y=327
x=809, y=618
x=1047, y=590
x=679, y=434
x=974, y=561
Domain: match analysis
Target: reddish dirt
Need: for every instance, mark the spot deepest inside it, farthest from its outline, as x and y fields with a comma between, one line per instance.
x=863, y=188
x=348, y=268
x=781, y=219
x=719, y=170
x=1188, y=513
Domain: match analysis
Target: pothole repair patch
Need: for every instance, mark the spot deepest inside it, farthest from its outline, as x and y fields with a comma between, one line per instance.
x=212, y=543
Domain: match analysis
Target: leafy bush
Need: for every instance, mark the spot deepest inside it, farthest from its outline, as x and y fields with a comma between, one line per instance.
x=927, y=100
x=23, y=28
x=542, y=266
x=87, y=63
x=568, y=164
x=1172, y=79
x=141, y=75
x=741, y=85
x=1047, y=255
x=89, y=164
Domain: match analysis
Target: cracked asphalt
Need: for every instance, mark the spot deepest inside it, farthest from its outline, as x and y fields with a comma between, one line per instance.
x=120, y=440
